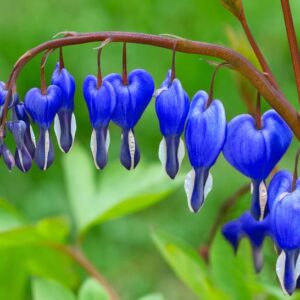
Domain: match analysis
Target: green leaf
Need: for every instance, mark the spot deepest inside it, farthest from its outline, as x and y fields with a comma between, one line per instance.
x=187, y=264
x=234, y=6
x=234, y=274
x=119, y=192
x=92, y=290
x=43, y=289
x=9, y=217
x=152, y=297
x=47, y=230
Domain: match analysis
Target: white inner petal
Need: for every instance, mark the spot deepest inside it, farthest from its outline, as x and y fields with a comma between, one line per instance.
x=21, y=159
x=181, y=152
x=107, y=141
x=162, y=153
x=251, y=188
x=47, y=149
x=263, y=197
x=282, y=196
x=131, y=144
x=189, y=183
x=280, y=269
x=208, y=185
x=159, y=91
x=94, y=147
x=73, y=128
x=57, y=130
x=32, y=135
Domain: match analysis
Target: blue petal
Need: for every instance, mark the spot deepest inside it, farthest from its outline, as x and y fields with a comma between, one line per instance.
x=43, y=108
x=3, y=93
x=23, y=159
x=255, y=152
x=280, y=184
x=285, y=221
x=101, y=102
x=205, y=131
x=18, y=129
x=8, y=158
x=65, y=81
x=132, y=99
x=172, y=106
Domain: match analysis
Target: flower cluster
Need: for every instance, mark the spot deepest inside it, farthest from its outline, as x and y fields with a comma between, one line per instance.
x=252, y=145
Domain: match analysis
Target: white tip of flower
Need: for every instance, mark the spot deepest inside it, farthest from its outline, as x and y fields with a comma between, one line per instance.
x=131, y=144
x=32, y=135
x=94, y=147
x=57, y=130
x=263, y=197
x=189, y=183
x=73, y=128
x=107, y=141
x=47, y=149
x=181, y=152
x=162, y=152
x=280, y=270
x=159, y=91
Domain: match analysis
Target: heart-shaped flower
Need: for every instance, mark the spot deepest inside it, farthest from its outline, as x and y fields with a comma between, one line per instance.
x=29, y=137
x=255, y=152
x=172, y=106
x=204, y=136
x=285, y=224
x=23, y=158
x=255, y=231
x=132, y=100
x=101, y=102
x=42, y=109
x=65, y=122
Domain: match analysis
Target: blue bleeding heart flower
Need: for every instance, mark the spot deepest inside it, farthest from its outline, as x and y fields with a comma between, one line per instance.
x=8, y=158
x=255, y=231
x=101, y=103
x=285, y=224
x=65, y=122
x=42, y=109
x=172, y=107
x=23, y=158
x=204, y=137
x=29, y=137
x=132, y=100
x=255, y=152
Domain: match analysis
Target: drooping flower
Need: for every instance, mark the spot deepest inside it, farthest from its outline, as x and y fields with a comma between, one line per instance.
x=285, y=224
x=132, y=99
x=255, y=231
x=65, y=122
x=8, y=158
x=255, y=151
x=29, y=137
x=172, y=106
x=23, y=158
x=204, y=136
x=101, y=102
x=42, y=108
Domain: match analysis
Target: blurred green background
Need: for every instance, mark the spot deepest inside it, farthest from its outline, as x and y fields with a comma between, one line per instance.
x=73, y=203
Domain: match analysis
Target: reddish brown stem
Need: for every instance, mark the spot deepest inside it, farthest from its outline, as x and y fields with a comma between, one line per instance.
x=258, y=122
x=295, y=175
x=236, y=60
x=76, y=254
x=262, y=61
x=43, y=78
x=294, y=48
x=212, y=83
x=61, y=59
x=173, y=69
x=222, y=212
x=124, y=64
x=99, y=75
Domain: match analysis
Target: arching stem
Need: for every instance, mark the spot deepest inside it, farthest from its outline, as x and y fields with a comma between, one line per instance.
x=124, y=64
x=295, y=175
